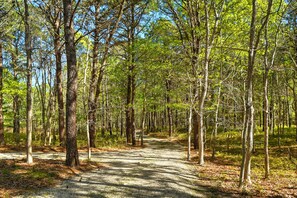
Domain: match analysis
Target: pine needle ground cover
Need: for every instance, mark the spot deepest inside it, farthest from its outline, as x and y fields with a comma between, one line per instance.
x=17, y=177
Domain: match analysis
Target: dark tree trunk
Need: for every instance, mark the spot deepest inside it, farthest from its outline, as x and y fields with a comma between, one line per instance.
x=58, y=55
x=169, y=110
x=72, y=158
x=2, y=142
x=16, y=100
x=133, y=131
x=195, y=128
x=295, y=102
x=130, y=117
x=28, y=44
x=128, y=110
x=94, y=81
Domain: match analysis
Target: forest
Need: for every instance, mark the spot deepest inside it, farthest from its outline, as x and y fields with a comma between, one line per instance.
x=212, y=83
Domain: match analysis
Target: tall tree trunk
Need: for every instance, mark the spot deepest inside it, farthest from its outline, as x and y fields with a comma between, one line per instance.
x=169, y=110
x=195, y=128
x=128, y=110
x=215, y=131
x=266, y=123
x=58, y=55
x=295, y=107
x=209, y=39
x=189, y=132
x=267, y=67
x=133, y=127
x=50, y=109
x=130, y=119
x=16, y=100
x=122, y=120
x=272, y=120
x=248, y=132
x=2, y=142
x=143, y=118
x=28, y=44
x=72, y=158
x=94, y=81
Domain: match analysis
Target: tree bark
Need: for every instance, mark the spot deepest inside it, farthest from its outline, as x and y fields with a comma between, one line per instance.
x=72, y=158
x=59, y=80
x=2, y=141
x=266, y=123
x=130, y=117
x=267, y=67
x=94, y=81
x=195, y=128
x=248, y=132
x=169, y=110
x=215, y=132
x=16, y=99
x=28, y=45
x=128, y=110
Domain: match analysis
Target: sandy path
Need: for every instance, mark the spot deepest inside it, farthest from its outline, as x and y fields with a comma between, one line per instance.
x=159, y=170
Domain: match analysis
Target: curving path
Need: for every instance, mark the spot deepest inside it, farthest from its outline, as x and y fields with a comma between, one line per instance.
x=159, y=170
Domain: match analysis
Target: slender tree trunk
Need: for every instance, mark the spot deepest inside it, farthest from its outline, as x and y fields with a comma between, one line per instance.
x=133, y=127
x=143, y=119
x=72, y=158
x=169, y=110
x=128, y=110
x=122, y=119
x=272, y=120
x=195, y=128
x=189, y=133
x=267, y=67
x=266, y=123
x=295, y=108
x=295, y=101
x=28, y=44
x=16, y=100
x=94, y=81
x=2, y=142
x=85, y=103
x=58, y=55
x=279, y=120
x=51, y=106
x=130, y=120
x=248, y=132
x=215, y=132
x=249, y=116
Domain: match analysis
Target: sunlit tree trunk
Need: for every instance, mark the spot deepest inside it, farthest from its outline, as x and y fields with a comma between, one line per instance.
x=248, y=131
x=71, y=95
x=267, y=67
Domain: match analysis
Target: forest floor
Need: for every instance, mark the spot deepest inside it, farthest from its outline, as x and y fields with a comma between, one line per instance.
x=222, y=172
x=157, y=170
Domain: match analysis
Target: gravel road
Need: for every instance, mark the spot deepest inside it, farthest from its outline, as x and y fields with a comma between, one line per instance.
x=158, y=170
